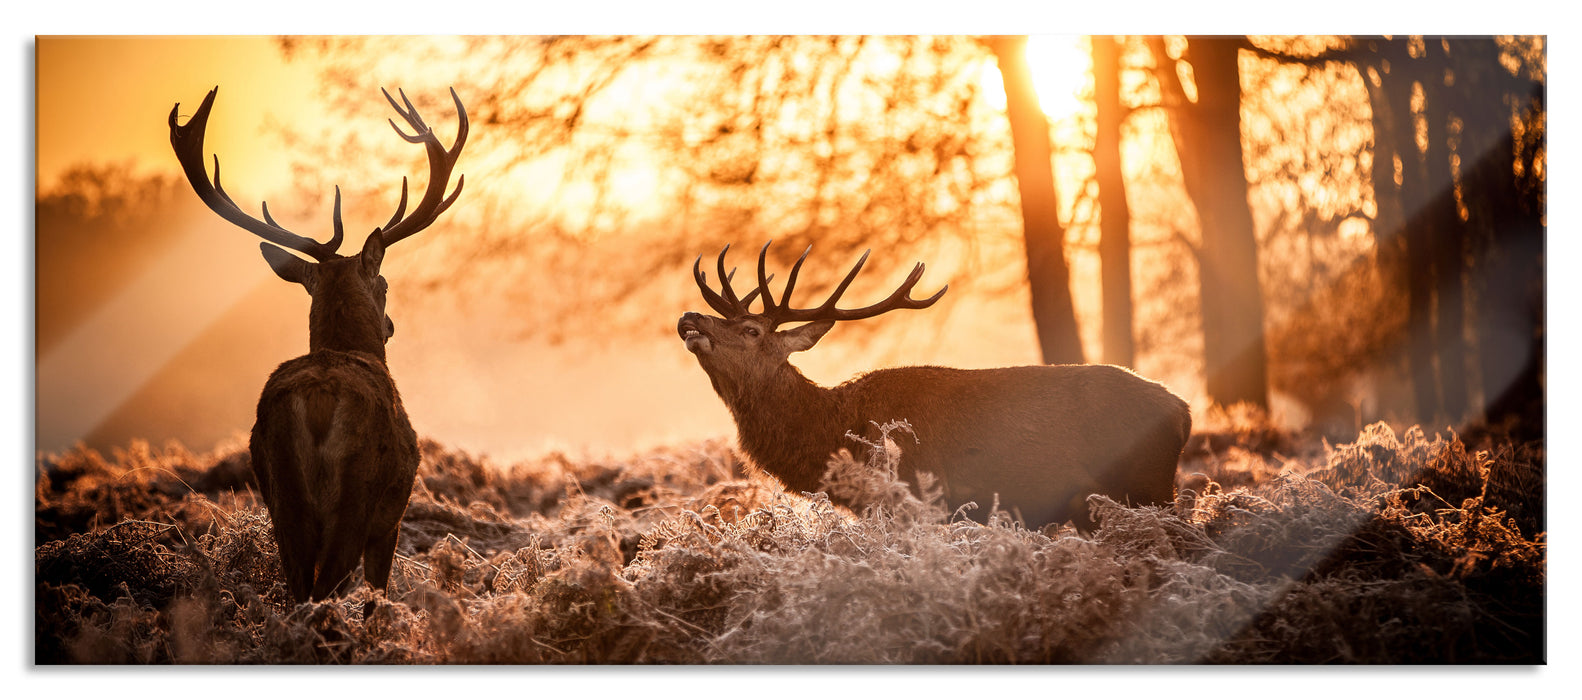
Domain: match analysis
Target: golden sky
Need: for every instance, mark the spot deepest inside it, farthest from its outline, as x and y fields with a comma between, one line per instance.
x=106, y=99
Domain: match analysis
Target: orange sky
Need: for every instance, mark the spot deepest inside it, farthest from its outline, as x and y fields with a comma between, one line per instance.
x=96, y=95
x=106, y=99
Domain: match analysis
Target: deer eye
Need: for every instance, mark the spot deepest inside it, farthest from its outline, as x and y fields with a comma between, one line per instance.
x=750, y=331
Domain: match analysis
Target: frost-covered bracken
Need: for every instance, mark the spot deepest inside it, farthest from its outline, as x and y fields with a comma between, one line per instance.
x=1396, y=548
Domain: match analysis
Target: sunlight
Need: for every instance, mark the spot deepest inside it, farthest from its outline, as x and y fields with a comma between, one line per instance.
x=85, y=379
x=1060, y=65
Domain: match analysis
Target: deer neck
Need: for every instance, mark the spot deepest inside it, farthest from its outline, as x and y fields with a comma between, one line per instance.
x=345, y=327
x=788, y=425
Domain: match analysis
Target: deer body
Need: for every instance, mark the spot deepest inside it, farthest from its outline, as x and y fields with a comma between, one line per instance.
x=332, y=448
x=1039, y=438
x=335, y=457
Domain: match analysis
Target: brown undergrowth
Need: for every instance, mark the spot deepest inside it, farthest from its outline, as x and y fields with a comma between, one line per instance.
x=1397, y=548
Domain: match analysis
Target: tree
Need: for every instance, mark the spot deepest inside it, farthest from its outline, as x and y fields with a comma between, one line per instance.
x=1206, y=129
x=1459, y=183
x=1048, y=278
x=1115, y=252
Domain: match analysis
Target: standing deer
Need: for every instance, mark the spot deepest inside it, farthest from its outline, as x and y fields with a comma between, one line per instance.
x=333, y=451
x=1041, y=438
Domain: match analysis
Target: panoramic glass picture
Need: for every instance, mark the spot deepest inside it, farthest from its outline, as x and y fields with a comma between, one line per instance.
x=747, y=350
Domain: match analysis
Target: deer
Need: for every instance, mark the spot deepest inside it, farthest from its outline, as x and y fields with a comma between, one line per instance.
x=1040, y=439
x=332, y=449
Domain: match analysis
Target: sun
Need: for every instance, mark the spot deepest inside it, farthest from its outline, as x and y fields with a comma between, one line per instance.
x=1060, y=65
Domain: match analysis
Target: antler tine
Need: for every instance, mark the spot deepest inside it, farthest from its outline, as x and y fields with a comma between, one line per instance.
x=762, y=288
x=462, y=127
x=187, y=141
x=335, y=239
x=441, y=162
x=763, y=279
x=746, y=301
x=714, y=300
x=725, y=283
x=900, y=299
x=400, y=208
x=785, y=314
x=725, y=302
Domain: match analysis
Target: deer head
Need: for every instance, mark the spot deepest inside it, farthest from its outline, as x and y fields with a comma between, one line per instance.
x=741, y=348
x=348, y=311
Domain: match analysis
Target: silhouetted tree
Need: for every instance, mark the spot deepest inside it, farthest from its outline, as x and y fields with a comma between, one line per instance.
x=1048, y=277
x=853, y=142
x=1115, y=251
x=1459, y=183
x=1206, y=128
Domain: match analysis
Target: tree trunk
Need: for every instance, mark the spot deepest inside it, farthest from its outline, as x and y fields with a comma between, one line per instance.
x=1505, y=212
x=1047, y=275
x=1115, y=248
x=1207, y=136
x=1389, y=223
x=1447, y=240
x=1413, y=195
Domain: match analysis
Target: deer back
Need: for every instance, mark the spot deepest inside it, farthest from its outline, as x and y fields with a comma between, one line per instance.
x=332, y=437
x=1041, y=438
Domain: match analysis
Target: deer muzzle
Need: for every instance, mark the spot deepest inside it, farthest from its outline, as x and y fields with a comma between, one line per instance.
x=692, y=333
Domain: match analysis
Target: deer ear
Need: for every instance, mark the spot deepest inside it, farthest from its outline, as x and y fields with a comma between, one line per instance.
x=804, y=337
x=287, y=266
x=373, y=253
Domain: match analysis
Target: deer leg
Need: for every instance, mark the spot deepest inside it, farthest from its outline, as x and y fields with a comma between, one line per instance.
x=378, y=557
x=296, y=559
x=335, y=575
x=338, y=556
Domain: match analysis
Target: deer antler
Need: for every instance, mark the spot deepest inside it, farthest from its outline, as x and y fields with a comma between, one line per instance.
x=187, y=140
x=440, y=163
x=725, y=302
x=779, y=313
x=784, y=313
x=188, y=143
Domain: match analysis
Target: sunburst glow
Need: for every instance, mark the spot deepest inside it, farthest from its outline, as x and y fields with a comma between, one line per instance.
x=1060, y=66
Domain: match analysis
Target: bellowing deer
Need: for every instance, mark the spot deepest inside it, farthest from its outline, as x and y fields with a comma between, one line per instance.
x=333, y=451
x=1042, y=438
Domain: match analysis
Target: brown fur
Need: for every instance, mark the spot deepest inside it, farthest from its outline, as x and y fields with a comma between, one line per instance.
x=335, y=457
x=333, y=451
x=1042, y=438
